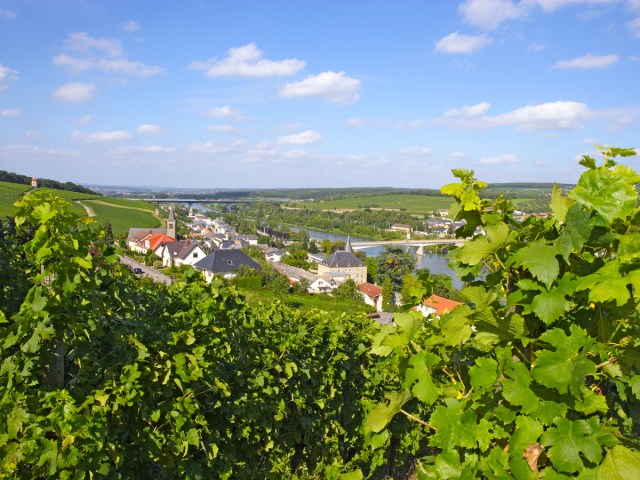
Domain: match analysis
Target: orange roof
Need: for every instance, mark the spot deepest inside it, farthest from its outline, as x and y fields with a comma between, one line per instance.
x=441, y=304
x=370, y=289
x=157, y=238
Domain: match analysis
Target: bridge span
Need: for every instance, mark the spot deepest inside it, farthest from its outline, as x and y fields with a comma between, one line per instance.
x=458, y=242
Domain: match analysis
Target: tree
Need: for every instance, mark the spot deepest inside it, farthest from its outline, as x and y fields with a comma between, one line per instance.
x=394, y=263
x=372, y=269
x=108, y=234
x=347, y=289
x=325, y=246
x=298, y=259
x=388, y=303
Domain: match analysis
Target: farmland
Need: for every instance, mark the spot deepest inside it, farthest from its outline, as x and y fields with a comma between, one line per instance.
x=411, y=203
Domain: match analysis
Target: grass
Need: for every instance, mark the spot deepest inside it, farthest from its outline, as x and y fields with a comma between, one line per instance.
x=309, y=302
x=9, y=193
x=125, y=202
x=122, y=219
x=412, y=203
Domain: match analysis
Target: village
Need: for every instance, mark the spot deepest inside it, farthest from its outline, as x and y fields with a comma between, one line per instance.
x=214, y=248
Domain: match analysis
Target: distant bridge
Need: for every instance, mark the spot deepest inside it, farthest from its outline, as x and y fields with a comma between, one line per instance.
x=415, y=243
x=191, y=201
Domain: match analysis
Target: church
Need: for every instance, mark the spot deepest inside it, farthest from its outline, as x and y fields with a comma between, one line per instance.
x=344, y=263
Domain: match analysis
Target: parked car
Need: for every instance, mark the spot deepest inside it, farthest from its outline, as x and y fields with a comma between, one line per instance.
x=137, y=271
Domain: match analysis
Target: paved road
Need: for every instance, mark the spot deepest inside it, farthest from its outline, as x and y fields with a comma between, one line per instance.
x=147, y=271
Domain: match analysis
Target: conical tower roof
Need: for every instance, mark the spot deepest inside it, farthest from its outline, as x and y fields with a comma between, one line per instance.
x=347, y=246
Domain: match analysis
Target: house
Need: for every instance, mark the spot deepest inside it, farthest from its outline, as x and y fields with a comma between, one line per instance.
x=137, y=235
x=316, y=257
x=225, y=263
x=138, y=239
x=436, y=306
x=402, y=228
x=182, y=252
x=346, y=263
x=153, y=242
x=317, y=283
x=274, y=254
x=372, y=295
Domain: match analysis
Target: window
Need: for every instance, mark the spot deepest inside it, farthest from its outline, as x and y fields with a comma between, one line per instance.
x=195, y=255
x=229, y=262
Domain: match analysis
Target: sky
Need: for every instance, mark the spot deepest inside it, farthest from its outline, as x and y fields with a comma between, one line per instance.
x=315, y=93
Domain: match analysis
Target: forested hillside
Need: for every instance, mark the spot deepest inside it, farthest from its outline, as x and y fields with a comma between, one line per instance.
x=11, y=177
x=104, y=375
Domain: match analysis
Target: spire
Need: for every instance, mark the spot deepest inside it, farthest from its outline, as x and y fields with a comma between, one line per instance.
x=347, y=246
x=172, y=218
x=171, y=224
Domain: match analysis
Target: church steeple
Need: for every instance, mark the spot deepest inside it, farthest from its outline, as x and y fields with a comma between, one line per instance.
x=171, y=224
x=347, y=246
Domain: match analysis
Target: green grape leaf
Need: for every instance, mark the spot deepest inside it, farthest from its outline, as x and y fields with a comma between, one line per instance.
x=550, y=306
x=611, y=193
x=456, y=327
x=484, y=373
x=565, y=368
x=576, y=231
x=540, y=259
x=457, y=427
x=425, y=390
x=559, y=204
x=527, y=433
x=620, y=463
x=568, y=440
x=591, y=402
x=516, y=390
x=476, y=250
x=384, y=412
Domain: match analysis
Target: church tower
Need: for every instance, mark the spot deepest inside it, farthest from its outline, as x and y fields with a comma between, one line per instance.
x=171, y=224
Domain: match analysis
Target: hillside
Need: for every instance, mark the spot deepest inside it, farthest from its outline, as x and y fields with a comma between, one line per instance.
x=121, y=213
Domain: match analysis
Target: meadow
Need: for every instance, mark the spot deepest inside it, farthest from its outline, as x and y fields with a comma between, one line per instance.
x=411, y=203
x=9, y=193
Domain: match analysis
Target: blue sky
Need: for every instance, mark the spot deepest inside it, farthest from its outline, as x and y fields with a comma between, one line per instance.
x=315, y=93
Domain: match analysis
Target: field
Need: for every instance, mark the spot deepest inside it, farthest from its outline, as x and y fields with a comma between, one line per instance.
x=308, y=302
x=412, y=203
x=9, y=193
x=121, y=213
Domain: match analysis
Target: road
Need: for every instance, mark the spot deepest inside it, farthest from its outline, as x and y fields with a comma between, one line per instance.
x=148, y=272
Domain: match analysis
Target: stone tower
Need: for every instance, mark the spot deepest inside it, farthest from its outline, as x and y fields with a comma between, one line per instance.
x=171, y=224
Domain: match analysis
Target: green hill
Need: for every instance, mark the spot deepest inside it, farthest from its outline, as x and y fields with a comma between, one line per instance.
x=122, y=214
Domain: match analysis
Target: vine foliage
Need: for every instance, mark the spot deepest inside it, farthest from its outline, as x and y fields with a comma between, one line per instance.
x=536, y=375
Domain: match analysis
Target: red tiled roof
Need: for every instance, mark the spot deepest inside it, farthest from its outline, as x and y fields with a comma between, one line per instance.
x=370, y=289
x=441, y=304
x=157, y=238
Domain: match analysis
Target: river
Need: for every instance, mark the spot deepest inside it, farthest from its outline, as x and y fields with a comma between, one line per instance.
x=435, y=262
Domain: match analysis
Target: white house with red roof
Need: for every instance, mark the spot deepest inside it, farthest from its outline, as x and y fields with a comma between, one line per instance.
x=436, y=306
x=372, y=295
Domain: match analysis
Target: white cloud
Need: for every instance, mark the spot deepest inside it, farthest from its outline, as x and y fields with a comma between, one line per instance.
x=85, y=120
x=7, y=77
x=489, y=14
x=247, y=61
x=221, y=128
x=11, y=112
x=217, y=147
x=130, y=26
x=290, y=126
x=33, y=134
x=458, y=156
x=544, y=116
x=75, y=92
x=102, y=54
x=224, y=112
x=588, y=61
x=296, y=153
x=459, y=43
x=415, y=150
x=150, y=129
x=108, y=136
x=539, y=163
x=505, y=159
x=358, y=122
x=146, y=149
x=336, y=87
x=6, y=13
x=536, y=47
x=634, y=25
x=302, y=138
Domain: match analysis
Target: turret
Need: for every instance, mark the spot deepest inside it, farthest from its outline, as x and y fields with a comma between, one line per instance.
x=171, y=224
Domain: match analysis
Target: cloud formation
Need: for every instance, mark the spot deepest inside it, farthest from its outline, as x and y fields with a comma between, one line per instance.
x=247, y=61
x=507, y=158
x=415, y=150
x=459, y=43
x=107, y=136
x=302, y=138
x=150, y=129
x=489, y=14
x=74, y=92
x=224, y=112
x=587, y=62
x=543, y=116
x=130, y=26
x=7, y=77
x=104, y=54
x=335, y=87
x=11, y=113
x=6, y=13
x=145, y=149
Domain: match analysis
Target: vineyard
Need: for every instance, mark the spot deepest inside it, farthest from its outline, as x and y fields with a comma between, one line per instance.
x=535, y=376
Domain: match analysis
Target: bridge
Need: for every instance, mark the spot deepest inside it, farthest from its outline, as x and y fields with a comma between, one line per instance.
x=458, y=242
x=191, y=201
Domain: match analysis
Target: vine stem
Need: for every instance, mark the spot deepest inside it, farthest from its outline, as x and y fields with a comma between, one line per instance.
x=611, y=361
x=416, y=419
